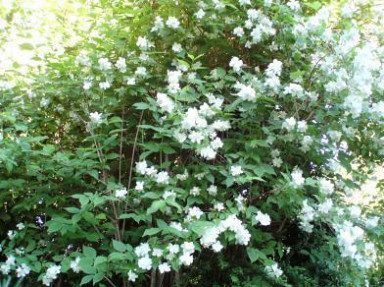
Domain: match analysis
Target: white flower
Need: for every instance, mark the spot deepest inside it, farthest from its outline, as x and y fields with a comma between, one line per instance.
x=143, y=43
x=247, y=93
x=221, y=125
x=121, y=65
x=11, y=234
x=145, y=263
x=372, y=222
x=104, y=85
x=277, y=162
x=186, y=259
x=131, y=81
x=75, y=265
x=302, y=126
x=162, y=177
x=87, y=85
x=325, y=206
x=5, y=269
x=141, y=167
x=51, y=274
x=139, y=186
x=212, y=190
x=195, y=191
x=273, y=270
x=289, y=124
x=267, y=3
x=207, y=152
x=177, y=48
x=95, y=117
x=20, y=226
x=294, y=5
x=236, y=170
x=194, y=212
x=219, y=206
x=159, y=24
x=297, y=178
x=238, y=31
x=196, y=137
x=244, y=2
x=326, y=186
x=173, y=248
x=120, y=193
x=173, y=78
x=217, y=143
x=165, y=102
x=132, y=276
x=172, y=23
x=180, y=137
x=142, y=250
x=273, y=83
x=164, y=267
x=157, y=252
x=168, y=193
x=11, y=260
x=22, y=271
x=141, y=71
x=151, y=171
x=217, y=246
x=104, y=64
x=355, y=211
x=236, y=64
x=200, y=14
x=274, y=68
x=263, y=218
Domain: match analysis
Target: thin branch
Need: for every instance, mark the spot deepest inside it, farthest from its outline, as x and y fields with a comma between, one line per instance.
x=131, y=166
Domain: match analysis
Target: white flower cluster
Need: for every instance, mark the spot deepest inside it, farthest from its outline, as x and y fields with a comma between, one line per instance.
x=349, y=236
x=209, y=239
x=195, y=128
x=290, y=124
x=297, y=178
x=273, y=73
x=260, y=27
x=263, y=218
x=51, y=274
x=273, y=271
x=161, y=177
x=307, y=215
x=276, y=159
x=5, y=268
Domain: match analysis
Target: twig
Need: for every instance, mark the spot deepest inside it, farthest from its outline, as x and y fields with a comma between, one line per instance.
x=121, y=143
x=131, y=166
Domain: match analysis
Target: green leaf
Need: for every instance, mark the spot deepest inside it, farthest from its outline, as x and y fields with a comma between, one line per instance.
x=151, y=231
x=253, y=254
x=86, y=279
x=119, y=246
x=155, y=206
x=141, y=106
x=89, y=252
x=72, y=209
x=97, y=278
x=86, y=264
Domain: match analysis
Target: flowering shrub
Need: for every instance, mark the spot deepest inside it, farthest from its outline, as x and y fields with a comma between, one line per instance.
x=211, y=143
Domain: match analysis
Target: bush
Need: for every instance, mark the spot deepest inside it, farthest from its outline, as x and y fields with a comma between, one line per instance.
x=211, y=143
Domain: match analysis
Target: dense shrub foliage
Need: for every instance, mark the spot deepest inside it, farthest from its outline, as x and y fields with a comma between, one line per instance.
x=190, y=143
